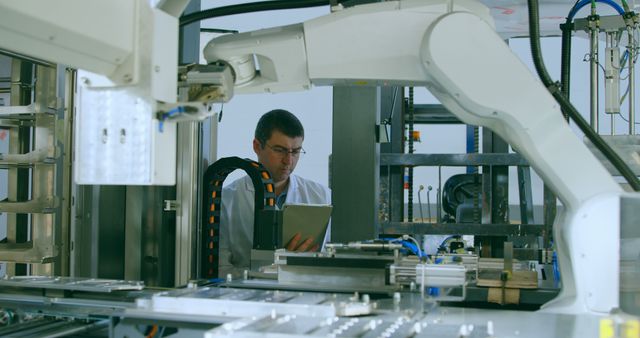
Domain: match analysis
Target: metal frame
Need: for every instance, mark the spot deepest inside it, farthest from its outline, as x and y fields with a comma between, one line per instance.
x=189, y=168
x=355, y=165
x=38, y=200
x=391, y=184
x=495, y=194
x=495, y=162
x=478, y=229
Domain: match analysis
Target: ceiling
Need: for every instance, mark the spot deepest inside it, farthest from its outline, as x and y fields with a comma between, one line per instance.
x=511, y=16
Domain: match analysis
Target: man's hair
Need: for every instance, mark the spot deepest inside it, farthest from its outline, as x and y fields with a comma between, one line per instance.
x=280, y=120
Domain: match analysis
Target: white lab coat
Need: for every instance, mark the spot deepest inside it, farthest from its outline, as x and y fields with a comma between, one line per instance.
x=237, y=213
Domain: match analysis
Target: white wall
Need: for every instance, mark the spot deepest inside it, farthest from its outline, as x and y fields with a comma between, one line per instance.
x=314, y=107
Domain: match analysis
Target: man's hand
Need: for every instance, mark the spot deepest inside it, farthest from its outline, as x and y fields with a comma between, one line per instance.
x=295, y=244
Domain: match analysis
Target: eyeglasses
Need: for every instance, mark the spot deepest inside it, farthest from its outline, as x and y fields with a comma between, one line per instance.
x=283, y=152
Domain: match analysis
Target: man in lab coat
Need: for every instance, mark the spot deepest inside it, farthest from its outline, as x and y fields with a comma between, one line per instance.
x=278, y=145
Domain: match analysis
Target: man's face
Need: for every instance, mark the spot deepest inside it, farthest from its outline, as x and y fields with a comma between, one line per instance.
x=279, y=154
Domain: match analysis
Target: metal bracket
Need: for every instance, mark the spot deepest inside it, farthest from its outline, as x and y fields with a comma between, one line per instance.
x=171, y=205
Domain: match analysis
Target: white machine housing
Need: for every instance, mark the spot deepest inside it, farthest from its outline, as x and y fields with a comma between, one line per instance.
x=128, y=51
x=431, y=44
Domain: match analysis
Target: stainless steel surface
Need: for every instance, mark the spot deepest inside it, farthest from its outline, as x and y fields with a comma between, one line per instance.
x=391, y=177
x=35, y=190
x=64, y=177
x=122, y=232
x=611, y=83
x=261, y=258
x=26, y=58
x=508, y=256
x=549, y=209
x=452, y=271
x=627, y=146
x=230, y=302
x=39, y=206
x=188, y=183
x=498, y=264
x=462, y=228
x=495, y=178
x=364, y=246
x=433, y=114
x=606, y=23
x=230, y=312
x=5, y=122
x=84, y=231
x=495, y=194
x=344, y=271
x=65, y=307
x=157, y=244
x=453, y=160
x=526, y=195
x=630, y=255
x=593, y=61
x=340, y=279
x=193, y=141
x=610, y=24
x=632, y=80
x=18, y=111
x=71, y=283
x=19, y=142
x=439, y=322
x=355, y=188
x=133, y=233
x=26, y=160
x=53, y=328
x=441, y=275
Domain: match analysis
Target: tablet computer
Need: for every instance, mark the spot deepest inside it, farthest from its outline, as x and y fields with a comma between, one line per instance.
x=310, y=220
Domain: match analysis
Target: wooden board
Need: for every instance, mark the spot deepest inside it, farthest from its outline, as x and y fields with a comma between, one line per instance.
x=518, y=280
x=512, y=296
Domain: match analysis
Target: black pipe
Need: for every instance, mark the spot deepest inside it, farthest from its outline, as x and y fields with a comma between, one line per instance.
x=565, y=66
x=250, y=7
x=612, y=156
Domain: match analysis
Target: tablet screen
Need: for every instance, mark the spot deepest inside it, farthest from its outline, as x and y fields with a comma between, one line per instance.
x=310, y=220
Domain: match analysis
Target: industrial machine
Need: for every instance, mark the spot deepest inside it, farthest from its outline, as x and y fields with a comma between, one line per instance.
x=374, y=287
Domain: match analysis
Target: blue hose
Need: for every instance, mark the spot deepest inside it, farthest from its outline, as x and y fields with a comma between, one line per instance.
x=174, y=111
x=556, y=270
x=413, y=248
x=408, y=245
x=583, y=3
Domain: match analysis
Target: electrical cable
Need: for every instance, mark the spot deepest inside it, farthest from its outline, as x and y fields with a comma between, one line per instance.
x=625, y=5
x=393, y=104
x=411, y=248
x=408, y=242
x=416, y=243
x=565, y=61
x=152, y=333
x=446, y=240
x=624, y=119
x=612, y=156
x=626, y=92
x=566, y=28
x=583, y=3
x=167, y=115
x=249, y=8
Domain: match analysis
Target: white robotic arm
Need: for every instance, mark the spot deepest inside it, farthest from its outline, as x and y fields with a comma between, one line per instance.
x=450, y=47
